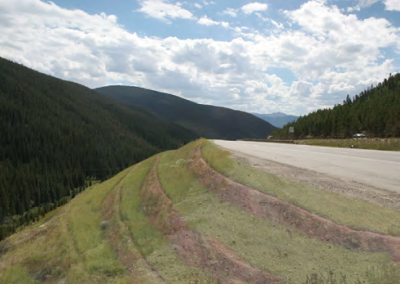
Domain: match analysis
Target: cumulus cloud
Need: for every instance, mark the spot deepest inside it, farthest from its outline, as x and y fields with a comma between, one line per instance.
x=230, y=12
x=392, y=5
x=338, y=40
x=367, y=3
x=163, y=10
x=254, y=7
x=209, y=22
x=332, y=54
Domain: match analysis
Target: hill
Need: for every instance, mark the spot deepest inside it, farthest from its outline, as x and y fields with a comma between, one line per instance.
x=57, y=136
x=207, y=121
x=374, y=112
x=277, y=119
x=195, y=215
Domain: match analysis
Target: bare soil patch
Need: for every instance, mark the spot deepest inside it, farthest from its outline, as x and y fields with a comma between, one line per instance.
x=194, y=248
x=281, y=212
x=120, y=238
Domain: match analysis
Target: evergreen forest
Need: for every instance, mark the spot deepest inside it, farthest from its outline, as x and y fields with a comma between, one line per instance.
x=57, y=137
x=207, y=121
x=374, y=112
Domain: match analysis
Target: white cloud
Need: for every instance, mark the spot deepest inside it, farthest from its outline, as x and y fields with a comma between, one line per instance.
x=163, y=10
x=331, y=55
x=205, y=21
x=352, y=9
x=254, y=7
x=230, y=12
x=198, y=6
x=336, y=40
x=392, y=5
x=367, y=3
x=277, y=25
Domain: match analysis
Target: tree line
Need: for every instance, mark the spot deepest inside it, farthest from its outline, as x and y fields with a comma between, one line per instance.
x=374, y=112
x=58, y=136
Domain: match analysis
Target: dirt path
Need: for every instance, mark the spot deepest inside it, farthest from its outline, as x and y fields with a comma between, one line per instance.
x=121, y=239
x=278, y=211
x=348, y=188
x=200, y=251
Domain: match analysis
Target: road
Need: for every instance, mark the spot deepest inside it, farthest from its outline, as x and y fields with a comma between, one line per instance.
x=380, y=169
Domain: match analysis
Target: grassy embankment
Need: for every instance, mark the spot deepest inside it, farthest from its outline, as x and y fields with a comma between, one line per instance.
x=263, y=244
x=387, y=144
x=354, y=213
x=70, y=244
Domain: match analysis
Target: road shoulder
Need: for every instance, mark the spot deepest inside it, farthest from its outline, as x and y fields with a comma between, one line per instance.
x=348, y=188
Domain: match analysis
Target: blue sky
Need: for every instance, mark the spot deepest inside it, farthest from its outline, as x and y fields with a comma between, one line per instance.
x=259, y=56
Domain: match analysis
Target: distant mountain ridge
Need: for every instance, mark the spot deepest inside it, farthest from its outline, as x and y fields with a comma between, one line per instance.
x=278, y=119
x=207, y=121
x=56, y=135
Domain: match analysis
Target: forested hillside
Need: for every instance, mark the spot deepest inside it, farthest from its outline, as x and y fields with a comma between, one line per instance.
x=205, y=120
x=55, y=136
x=374, y=112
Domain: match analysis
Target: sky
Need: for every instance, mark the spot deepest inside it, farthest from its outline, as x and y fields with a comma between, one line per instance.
x=292, y=56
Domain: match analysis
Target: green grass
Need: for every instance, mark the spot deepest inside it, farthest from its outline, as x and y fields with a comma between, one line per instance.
x=66, y=244
x=257, y=241
x=88, y=239
x=17, y=274
x=145, y=234
x=69, y=244
x=354, y=213
x=387, y=144
x=153, y=243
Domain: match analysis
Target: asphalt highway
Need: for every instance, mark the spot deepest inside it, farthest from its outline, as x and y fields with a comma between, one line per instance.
x=380, y=169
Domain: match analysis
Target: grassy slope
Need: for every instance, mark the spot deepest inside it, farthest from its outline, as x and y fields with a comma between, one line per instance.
x=207, y=121
x=391, y=144
x=261, y=243
x=353, y=213
x=70, y=244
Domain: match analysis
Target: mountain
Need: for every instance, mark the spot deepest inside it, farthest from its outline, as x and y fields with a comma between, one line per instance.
x=373, y=112
x=278, y=119
x=205, y=120
x=58, y=135
x=174, y=218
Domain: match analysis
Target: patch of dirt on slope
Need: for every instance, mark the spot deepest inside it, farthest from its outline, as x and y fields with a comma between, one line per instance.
x=122, y=241
x=351, y=189
x=195, y=249
x=262, y=205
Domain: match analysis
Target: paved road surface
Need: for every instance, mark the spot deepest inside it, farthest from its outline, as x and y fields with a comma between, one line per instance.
x=377, y=168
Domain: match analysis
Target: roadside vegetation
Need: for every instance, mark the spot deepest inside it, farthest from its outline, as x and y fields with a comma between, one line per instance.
x=354, y=213
x=119, y=231
x=387, y=144
x=374, y=112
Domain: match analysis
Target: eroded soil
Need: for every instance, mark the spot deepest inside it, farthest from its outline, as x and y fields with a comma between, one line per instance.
x=278, y=211
x=200, y=251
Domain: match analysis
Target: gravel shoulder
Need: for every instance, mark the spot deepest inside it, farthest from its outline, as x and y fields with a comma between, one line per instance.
x=348, y=188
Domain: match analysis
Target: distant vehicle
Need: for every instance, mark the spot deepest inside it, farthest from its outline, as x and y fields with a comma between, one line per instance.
x=359, y=136
x=270, y=137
